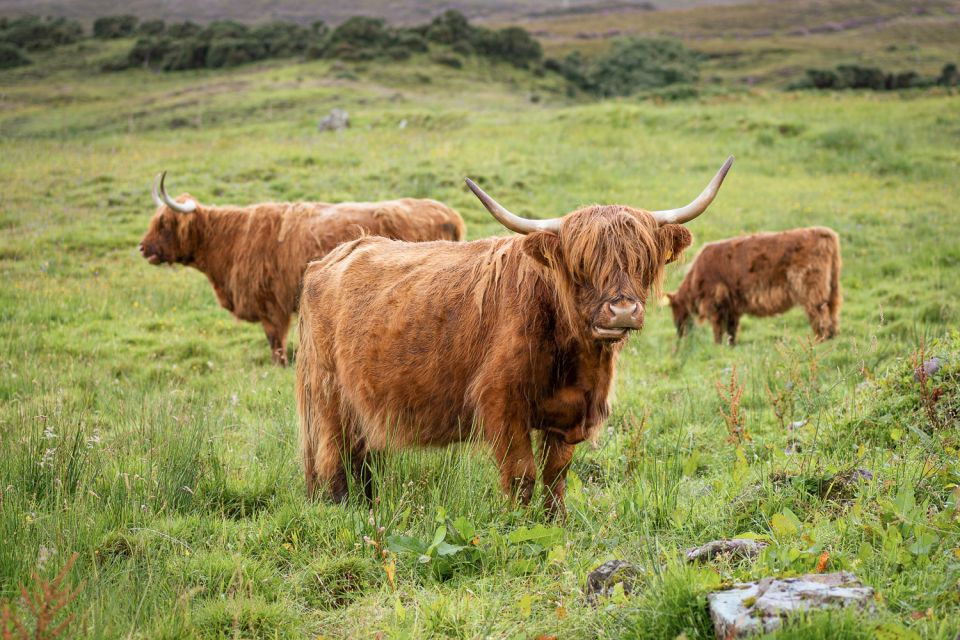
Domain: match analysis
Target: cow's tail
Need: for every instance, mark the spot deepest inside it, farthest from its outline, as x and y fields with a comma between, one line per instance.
x=836, y=298
x=306, y=399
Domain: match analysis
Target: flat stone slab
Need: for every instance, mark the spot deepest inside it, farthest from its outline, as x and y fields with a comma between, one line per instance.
x=761, y=607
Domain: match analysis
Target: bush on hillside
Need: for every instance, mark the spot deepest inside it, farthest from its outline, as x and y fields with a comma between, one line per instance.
x=513, y=44
x=226, y=43
x=631, y=66
x=151, y=28
x=32, y=33
x=11, y=56
x=949, y=76
x=184, y=29
x=849, y=76
x=110, y=27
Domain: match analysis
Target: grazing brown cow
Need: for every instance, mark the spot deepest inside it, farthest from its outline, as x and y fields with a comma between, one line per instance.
x=407, y=344
x=255, y=256
x=762, y=275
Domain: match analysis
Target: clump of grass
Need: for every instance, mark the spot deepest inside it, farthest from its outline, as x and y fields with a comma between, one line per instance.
x=331, y=583
x=244, y=617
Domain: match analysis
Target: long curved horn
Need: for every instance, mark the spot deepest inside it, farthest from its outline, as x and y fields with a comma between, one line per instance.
x=156, y=196
x=187, y=207
x=510, y=220
x=699, y=205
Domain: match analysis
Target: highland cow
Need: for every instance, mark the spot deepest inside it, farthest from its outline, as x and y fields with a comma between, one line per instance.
x=255, y=256
x=429, y=344
x=761, y=275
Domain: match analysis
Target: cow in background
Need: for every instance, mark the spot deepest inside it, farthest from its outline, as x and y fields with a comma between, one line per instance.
x=762, y=275
x=255, y=256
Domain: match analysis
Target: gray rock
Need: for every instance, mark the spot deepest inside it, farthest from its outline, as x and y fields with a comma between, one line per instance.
x=930, y=367
x=602, y=580
x=760, y=607
x=338, y=120
x=740, y=548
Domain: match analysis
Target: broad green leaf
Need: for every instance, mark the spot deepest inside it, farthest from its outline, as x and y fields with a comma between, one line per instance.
x=783, y=527
x=405, y=544
x=446, y=549
x=924, y=541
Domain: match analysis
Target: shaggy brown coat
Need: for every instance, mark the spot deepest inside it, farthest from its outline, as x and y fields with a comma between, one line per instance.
x=429, y=344
x=761, y=275
x=255, y=256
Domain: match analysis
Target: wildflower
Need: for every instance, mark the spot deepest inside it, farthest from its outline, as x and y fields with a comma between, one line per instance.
x=43, y=555
x=47, y=458
x=48, y=432
x=94, y=439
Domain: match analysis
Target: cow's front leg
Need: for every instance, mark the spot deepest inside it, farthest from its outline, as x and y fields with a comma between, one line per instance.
x=514, y=453
x=557, y=455
x=276, y=330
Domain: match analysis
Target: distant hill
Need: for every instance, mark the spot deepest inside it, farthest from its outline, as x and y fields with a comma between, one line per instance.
x=332, y=11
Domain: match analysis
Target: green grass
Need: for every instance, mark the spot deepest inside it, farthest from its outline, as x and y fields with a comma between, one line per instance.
x=144, y=429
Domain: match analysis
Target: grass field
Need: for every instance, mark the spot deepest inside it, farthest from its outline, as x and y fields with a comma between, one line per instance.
x=144, y=429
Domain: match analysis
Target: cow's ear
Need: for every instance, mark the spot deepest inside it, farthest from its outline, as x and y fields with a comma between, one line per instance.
x=544, y=247
x=674, y=238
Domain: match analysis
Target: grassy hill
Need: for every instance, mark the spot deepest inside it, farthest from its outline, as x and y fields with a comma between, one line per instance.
x=771, y=43
x=144, y=429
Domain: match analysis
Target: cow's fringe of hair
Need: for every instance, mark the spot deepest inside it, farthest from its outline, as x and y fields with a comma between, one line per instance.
x=590, y=237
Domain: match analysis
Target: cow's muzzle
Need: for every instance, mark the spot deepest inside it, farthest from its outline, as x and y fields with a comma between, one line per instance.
x=150, y=253
x=621, y=317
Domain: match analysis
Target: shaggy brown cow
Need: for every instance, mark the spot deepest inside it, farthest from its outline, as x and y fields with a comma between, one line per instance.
x=419, y=344
x=255, y=256
x=762, y=275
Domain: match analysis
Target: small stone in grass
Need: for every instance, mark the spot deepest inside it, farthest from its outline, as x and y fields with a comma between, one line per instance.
x=740, y=548
x=602, y=580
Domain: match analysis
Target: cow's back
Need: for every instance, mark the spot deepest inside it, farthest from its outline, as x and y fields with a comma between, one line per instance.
x=765, y=273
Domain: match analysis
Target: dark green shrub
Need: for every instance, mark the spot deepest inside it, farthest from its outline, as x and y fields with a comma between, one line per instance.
x=823, y=79
x=37, y=34
x=411, y=41
x=856, y=77
x=949, y=76
x=110, y=27
x=450, y=28
x=637, y=64
x=513, y=44
x=184, y=29
x=182, y=55
x=146, y=52
x=230, y=52
x=11, y=56
x=463, y=48
x=319, y=28
x=360, y=33
x=281, y=39
x=224, y=29
x=151, y=28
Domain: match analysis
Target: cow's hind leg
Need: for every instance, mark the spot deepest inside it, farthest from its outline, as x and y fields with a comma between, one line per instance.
x=719, y=327
x=733, y=326
x=820, y=320
x=276, y=329
x=326, y=439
